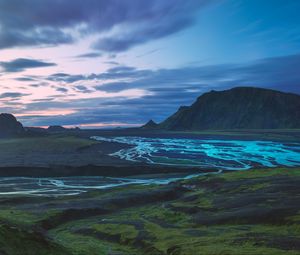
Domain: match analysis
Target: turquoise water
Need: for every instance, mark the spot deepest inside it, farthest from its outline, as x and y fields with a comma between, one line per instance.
x=222, y=154
x=69, y=186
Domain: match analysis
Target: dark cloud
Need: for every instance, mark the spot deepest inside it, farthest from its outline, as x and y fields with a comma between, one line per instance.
x=82, y=89
x=168, y=89
x=21, y=64
x=279, y=73
x=50, y=22
x=148, y=53
x=89, y=55
x=24, y=79
x=113, y=86
x=111, y=62
x=143, y=34
x=63, y=77
x=117, y=72
x=12, y=95
x=123, y=72
x=61, y=89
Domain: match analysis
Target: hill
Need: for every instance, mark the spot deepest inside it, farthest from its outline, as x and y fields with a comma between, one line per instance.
x=9, y=126
x=57, y=129
x=150, y=125
x=238, y=108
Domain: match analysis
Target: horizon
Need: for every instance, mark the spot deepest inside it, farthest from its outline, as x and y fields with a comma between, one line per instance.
x=117, y=64
x=116, y=125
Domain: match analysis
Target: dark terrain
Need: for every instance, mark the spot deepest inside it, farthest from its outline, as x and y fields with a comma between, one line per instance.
x=237, y=108
x=248, y=212
x=9, y=126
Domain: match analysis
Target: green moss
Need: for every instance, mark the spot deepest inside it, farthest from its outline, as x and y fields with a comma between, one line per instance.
x=79, y=244
x=161, y=228
x=22, y=217
x=15, y=241
x=126, y=232
x=259, y=173
x=253, y=187
x=294, y=218
x=211, y=241
x=17, y=216
x=163, y=214
x=281, y=230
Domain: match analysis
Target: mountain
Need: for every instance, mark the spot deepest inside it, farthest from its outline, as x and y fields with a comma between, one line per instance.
x=150, y=125
x=9, y=126
x=238, y=108
x=57, y=128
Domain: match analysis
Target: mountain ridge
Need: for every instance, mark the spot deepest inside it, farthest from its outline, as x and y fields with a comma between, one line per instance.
x=9, y=126
x=237, y=108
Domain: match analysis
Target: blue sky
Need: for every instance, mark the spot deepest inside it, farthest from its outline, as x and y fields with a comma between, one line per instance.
x=101, y=63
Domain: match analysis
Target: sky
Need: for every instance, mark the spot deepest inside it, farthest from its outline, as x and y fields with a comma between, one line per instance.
x=119, y=63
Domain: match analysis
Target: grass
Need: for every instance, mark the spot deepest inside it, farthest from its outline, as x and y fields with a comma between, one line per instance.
x=125, y=231
x=78, y=244
x=260, y=173
x=17, y=217
x=15, y=241
x=23, y=218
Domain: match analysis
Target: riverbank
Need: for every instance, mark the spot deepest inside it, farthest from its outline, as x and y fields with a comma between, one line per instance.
x=72, y=151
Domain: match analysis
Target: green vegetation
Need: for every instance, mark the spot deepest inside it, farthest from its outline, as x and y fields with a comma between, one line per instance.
x=126, y=232
x=16, y=241
x=235, y=213
x=259, y=173
x=22, y=217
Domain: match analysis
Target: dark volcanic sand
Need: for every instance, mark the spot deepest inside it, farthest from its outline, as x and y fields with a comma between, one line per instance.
x=96, y=154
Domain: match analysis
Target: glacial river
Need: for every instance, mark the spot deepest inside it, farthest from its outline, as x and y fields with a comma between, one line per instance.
x=220, y=154
x=67, y=186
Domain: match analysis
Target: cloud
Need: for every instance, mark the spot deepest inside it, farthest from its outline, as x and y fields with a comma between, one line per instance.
x=12, y=95
x=148, y=53
x=24, y=79
x=119, y=24
x=21, y=64
x=64, y=77
x=168, y=89
x=61, y=89
x=82, y=89
x=89, y=55
x=111, y=62
x=279, y=73
x=141, y=34
x=114, y=86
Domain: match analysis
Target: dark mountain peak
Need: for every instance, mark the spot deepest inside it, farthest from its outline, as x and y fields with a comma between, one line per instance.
x=9, y=125
x=238, y=108
x=7, y=117
x=183, y=108
x=150, y=125
x=56, y=128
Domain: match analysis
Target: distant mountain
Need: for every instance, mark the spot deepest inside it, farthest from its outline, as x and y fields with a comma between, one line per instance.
x=238, y=108
x=9, y=126
x=57, y=128
x=150, y=125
